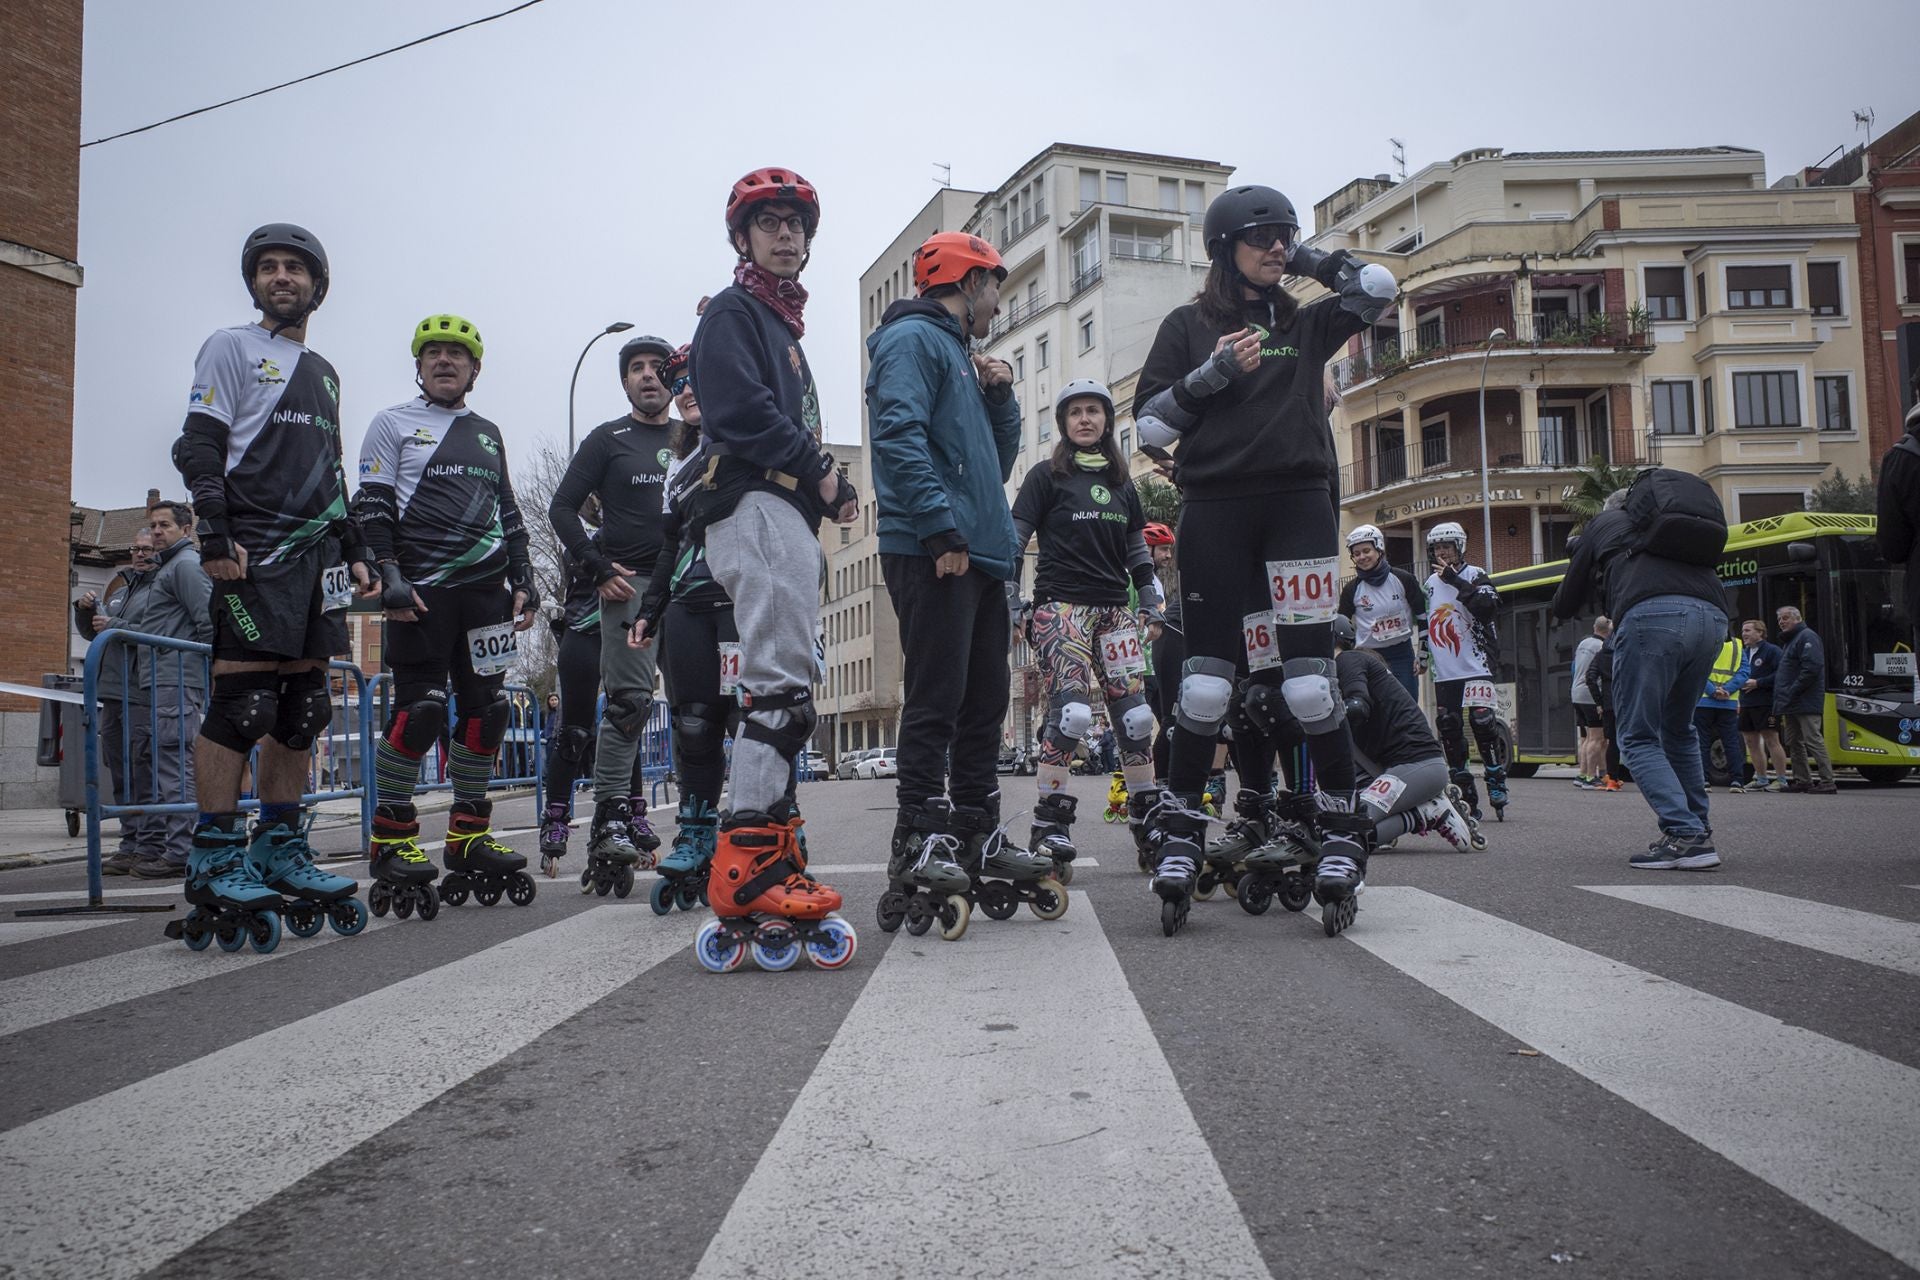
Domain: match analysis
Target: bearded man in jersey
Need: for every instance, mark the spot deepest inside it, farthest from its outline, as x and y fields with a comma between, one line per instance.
x=260, y=455
x=437, y=511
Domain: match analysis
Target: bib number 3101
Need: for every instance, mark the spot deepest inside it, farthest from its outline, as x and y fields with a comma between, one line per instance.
x=1303, y=591
x=493, y=648
x=1120, y=653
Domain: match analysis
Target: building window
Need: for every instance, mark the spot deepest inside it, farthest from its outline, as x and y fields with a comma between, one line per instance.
x=1116, y=188
x=1170, y=194
x=1706, y=404
x=1673, y=408
x=1758, y=506
x=1433, y=443
x=1126, y=443
x=1766, y=399
x=1040, y=346
x=1020, y=365
x=1142, y=243
x=1759, y=288
x=1823, y=288
x=1086, y=332
x=1700, y=295
x=846, y=535
x=1910, y=272
x=1196, y=200
x=1667, y=293
x=1089, y=187
x=1833, y=402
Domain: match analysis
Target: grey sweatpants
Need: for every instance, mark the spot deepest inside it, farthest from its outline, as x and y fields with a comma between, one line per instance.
x=766, y=558
x=1402, y=789
x=166, y=776
x=621, y=669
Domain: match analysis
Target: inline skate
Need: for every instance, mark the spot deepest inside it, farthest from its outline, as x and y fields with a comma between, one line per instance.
x=1216, y=793
x=1177, y=830
x=1340, y=877
x=1497, y=791
x=229, y=902
x=763, y=906
x=683, y=872
x=1282, y=867
x=612, y=856
x=402, y=872
x=1116, y=798
x=1462, y=780
x=479, y=864
x=1139, y=805
x=639, y=830
x=555, y=829
x=281, y=858
x=925, y=886
x=1446, y=816
x=1000, y=874
x=1052, y=836
x=1249, y=829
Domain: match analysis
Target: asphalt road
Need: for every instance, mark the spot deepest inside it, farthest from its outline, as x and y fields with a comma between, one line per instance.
x=1527, y=1061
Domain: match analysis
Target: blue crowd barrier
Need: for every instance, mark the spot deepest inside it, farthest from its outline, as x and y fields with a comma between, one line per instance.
x=521, y=761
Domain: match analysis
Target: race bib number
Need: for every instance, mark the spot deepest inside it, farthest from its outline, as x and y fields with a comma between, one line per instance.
x=1392, y=630
x=1479, y=693
x=1120, y=653
x=336, y=588
x=1263, y=650
x=1303, y=591
x=1385, y=791
x=729, y=668
x=493, y=648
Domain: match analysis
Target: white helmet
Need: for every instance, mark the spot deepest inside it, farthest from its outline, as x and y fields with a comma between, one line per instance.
x=1367, y=533
x=1073, y=391
x=1448, y=531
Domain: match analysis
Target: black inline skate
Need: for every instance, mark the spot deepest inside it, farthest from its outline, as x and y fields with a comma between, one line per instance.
x=1141, y=802
x=1346, y=838
x=403, y=875
x=612, y=855
x=1001, y=875
x=925, y=885
x=1052, y=834
x=1497, y=791
x=1462, y=780
x=477, y=863
x=1223, y=860
x=1283, y=867
x=1177, y=830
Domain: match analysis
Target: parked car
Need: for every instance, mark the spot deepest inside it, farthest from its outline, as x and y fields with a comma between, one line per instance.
x=878, y=764
x=813, y=764
x=849, y=762
x=1018, y=763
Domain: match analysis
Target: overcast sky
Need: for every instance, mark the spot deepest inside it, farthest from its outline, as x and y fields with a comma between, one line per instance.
x=566, y=167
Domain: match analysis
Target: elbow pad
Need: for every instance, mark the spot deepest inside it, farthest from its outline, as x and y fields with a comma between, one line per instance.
x=1365, y=288
x=1162, y=420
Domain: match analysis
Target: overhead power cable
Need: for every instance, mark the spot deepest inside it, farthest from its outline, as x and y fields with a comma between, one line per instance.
x=257, y=93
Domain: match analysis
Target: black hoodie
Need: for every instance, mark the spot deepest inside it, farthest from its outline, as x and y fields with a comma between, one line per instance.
x=1899, y=509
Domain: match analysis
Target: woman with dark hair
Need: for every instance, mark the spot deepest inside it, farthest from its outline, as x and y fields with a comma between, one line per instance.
x=1234, y=385
x=1083, y=626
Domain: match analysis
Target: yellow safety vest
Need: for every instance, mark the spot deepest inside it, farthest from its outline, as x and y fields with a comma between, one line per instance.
x=1728, y=663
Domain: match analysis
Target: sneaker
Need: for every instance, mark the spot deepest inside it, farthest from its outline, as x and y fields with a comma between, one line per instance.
x=1585, y=783
x=121, y=863
x=1662, y=855
x=1796, y=788
x=1823, y=789
x=1696, y=854
x=155, y=867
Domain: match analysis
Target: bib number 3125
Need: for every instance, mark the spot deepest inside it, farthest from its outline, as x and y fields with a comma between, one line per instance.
x=1303, y=591
x=493, y=648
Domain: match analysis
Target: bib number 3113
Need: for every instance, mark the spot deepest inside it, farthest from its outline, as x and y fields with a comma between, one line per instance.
x=1303, y=591
x=493, y=648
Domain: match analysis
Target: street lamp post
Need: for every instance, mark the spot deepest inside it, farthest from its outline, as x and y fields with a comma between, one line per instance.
x=1486, y=488
x=618, y=326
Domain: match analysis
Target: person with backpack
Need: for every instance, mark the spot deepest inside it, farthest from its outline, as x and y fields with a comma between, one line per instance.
x=1899, y=507
x=1650, y=554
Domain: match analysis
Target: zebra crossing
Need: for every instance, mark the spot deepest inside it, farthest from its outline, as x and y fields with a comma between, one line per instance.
x=974, y=1108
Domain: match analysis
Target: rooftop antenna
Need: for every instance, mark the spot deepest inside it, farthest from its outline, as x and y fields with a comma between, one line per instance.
x=946, y=174
x=1400, y=163
x=1863, y=119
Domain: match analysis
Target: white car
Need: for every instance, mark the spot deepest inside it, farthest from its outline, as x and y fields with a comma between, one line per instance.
x=878, y=764
x=813, y=764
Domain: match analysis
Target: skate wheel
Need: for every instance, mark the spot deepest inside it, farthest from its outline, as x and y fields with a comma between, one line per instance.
x=775, y=946
x=347, y=916
x=586, y=880
x=690, y=896
x=920, y=914
x=835, y=948
x=623, y=883
x=403, y=904
x=427, y=903
x=1335, y=916
x=197, y=930
x=304, y=922
x=520, y=889
x=229, y=935
x=1255, y=895
x=380, y=897
x=1049, y=900
x=1295, y=892
x=1111, y=816
x=891, y=911
x=1499, y=813
x=954, y=917
x=998, y=900
x=486, y=895
x=1171, y=916
x=1478, y=842
x=263, y=931
x=549, y=866
x=661, y=896
x=1204, y=886
x=1063, y=872
x=716, y=950
x=453, y=891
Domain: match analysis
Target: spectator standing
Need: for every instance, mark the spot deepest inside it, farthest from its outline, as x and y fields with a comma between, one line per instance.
x=1717, y=717
x=1799, y=702
x=1899, y=506
x=175, y=604
x=121, y=709
x=1591, y=746
x=1758, y=725
x=1600, y=680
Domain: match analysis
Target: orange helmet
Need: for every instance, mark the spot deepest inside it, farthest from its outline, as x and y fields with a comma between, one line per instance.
x=947, y=256
x=763, y=185
x=1158, y=535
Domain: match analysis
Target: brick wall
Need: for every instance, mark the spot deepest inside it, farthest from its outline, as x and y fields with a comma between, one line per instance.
x=1510, y=550
x=39, y=208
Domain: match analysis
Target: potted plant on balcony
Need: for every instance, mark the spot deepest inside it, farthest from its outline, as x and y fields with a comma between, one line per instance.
x=1639, y=325
x=1598, y=330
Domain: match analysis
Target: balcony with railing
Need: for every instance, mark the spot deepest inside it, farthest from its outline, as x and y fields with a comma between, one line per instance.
x=1085, y=276
x=1439, y=338
x=1136, y=249
x=1550, y=449
x=1030, y=217
x=1016, y=315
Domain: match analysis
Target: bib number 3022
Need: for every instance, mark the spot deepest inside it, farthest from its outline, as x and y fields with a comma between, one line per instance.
x=729, y=668
x=1304, y=591
x=493, y=648
x=1120, y=653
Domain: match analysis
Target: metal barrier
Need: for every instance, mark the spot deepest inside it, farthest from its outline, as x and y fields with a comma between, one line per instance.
x=174, y=680
x=520, y=762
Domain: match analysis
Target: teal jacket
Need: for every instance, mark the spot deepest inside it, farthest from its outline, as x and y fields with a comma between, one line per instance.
x=942, y=454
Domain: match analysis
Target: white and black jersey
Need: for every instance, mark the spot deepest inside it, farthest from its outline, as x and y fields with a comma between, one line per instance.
x=434, y=482
x=1460, y=632
x=1391, y=613
x=283, y=487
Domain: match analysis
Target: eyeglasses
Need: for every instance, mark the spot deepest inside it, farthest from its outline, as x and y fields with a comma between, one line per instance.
x=771, y=223
x=681, y=383
x=1265, y=237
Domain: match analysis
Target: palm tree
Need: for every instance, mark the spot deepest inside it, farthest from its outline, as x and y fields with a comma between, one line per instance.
x=1598, y=478
x=1160, y=500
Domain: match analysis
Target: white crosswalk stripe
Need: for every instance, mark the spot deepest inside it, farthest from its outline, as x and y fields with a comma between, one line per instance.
x=34, y=930
x=1835, y=1127
x=1840, y=931
x=1012, y=1068
x=149, y=1150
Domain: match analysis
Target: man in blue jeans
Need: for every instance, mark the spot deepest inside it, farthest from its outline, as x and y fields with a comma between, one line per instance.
x=1669, y=621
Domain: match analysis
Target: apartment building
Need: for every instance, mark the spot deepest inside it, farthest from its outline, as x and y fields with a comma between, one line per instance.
x=1627, y=306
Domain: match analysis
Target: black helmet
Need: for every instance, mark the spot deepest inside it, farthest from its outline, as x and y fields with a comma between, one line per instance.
x=1342, y=631
x=1239, y=208
x=285, y=235
x=645, y=344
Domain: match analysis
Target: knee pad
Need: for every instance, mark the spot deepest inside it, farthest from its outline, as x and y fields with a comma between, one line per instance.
x=628, y=710
x=305, y=709
x=243, y=709
x=483, y=731
x=1206, y=694
x=1313, y=695
x=1265, y=707
x=1482, y=720
x=1448, y=722
x=418, y=724
x=572, y=743
x=1068, y=722
x=701, y=728
x=1133, y=722
x=783, y=720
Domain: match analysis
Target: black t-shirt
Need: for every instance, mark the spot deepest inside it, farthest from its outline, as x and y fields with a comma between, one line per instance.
x=625, y=462
x=1084, y=525
x=1387, y=725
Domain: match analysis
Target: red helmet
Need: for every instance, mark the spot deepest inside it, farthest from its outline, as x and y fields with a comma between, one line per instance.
x=947, y=256
x=1158, y=535
x=677, y=362
x=763, y=185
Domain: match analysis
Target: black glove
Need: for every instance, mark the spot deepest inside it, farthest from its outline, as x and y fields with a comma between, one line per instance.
x=215, y=543
x=395, y=591
x=601, y=568
x=520, y=578
x=1450, y=574
x=844, y=494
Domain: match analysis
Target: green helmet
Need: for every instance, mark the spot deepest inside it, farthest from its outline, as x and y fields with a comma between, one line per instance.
x=448, y=328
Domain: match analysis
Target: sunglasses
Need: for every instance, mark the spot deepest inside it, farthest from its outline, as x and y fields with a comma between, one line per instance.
x=1265, y=237
x=680, y=384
